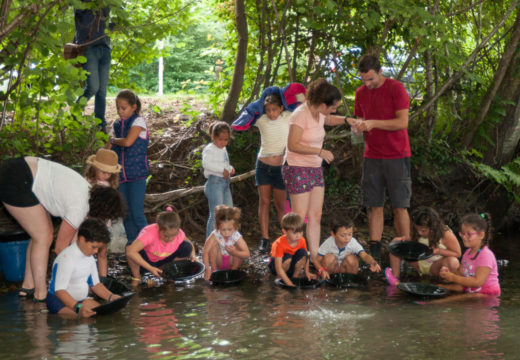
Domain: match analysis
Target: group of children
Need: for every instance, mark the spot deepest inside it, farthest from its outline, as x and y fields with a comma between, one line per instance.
x=149, y=247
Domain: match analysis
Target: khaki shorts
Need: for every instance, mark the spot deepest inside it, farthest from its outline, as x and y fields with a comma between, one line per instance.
x=386, y=175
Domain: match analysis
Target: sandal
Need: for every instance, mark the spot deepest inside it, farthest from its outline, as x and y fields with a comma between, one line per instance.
x=26, y=293
x=39, y=300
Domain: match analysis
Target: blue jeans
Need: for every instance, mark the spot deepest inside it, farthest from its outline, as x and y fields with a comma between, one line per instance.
x=135, y=221
x=98, y=67
x=218, y=192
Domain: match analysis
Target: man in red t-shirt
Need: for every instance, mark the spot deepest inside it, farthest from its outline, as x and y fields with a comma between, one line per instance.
x=381, y=106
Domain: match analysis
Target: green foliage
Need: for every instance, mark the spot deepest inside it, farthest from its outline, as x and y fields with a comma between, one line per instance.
x=508, y=176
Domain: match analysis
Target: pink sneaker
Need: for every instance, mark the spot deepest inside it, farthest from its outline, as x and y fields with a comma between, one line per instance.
x=392, y=280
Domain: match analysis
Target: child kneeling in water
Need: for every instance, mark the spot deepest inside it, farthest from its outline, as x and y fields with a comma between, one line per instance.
x=74, y=273
x=289, y=255
x=338, y=254
x=225, y=248
x=428, y=229
x=158, y=244
x=478, y=271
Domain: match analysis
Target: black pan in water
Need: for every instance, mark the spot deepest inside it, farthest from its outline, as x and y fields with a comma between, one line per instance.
x=183, y=270
x=343, y=280
x=227, y=277
x=113, y=306
x=300, y=283
x=410, y=250
x=114, y=286
x=422, y=289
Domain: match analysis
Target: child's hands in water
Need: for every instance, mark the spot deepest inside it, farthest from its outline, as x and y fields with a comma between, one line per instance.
x=399, y=238
x=324, y=274
x=311, y=276
x=375, y=267
x=156, y=271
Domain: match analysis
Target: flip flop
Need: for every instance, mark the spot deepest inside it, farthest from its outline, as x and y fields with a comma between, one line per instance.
x=39, y=300
x=26, y=293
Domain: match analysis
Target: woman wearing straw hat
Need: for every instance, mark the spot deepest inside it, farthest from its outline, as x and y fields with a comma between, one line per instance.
x=103, y=169
x=32, y=189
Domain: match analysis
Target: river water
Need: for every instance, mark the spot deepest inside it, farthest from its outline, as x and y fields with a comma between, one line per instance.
x=258, y=320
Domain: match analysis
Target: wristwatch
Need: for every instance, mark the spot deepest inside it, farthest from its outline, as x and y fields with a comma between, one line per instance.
x=77, y=307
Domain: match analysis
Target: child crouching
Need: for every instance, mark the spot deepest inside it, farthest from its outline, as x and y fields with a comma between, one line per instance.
x=158, y=244
x=74, y=273
x=225, y=248
x=289, y=256
x=338, y=254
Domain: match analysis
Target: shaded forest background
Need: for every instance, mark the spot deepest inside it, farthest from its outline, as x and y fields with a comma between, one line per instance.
x=458, y=60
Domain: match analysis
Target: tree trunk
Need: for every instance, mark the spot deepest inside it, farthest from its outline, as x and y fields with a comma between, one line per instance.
x=228, y=113
x=500, y=81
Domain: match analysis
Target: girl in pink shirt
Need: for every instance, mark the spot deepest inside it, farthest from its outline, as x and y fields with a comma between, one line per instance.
x=478, y=271
x=158, y=244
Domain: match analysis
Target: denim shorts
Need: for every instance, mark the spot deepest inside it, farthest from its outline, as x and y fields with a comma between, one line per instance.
x=269, y=175
x=392, y=175
x=301, y=179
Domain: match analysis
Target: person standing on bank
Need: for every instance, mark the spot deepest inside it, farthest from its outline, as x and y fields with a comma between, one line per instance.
x=302, y=171
x=381, y=107
x=91, y=24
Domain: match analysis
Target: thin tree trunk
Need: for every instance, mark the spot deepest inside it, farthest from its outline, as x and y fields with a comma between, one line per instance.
x=491, y=93
x=228, y=113
x=468, y=61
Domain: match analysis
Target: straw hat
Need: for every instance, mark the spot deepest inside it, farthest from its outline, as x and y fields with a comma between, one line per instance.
x=105, y=160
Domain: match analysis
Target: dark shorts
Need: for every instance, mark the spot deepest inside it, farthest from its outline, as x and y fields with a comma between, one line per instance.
x=298, y=255
x=183, y=251
x=16, y=182
x=392, y=175
x=54, y=305
x=269, y=175
x=301, y=179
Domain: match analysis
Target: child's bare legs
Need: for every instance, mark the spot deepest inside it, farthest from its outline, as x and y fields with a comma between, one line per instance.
x=350, y=264
x=264, y=202
x=298, y=268
x=279, y=197
x=451, y=262
x=102, y=260
x=215, y=258
x=395, y=265
x=330, y=263
x=235, y=262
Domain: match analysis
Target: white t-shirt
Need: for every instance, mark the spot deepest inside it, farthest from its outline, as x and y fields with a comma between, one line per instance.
x=273, y=134
x=74, y=272
x=329, y=247
x=139, y=121
x=215, y=160
x=61, y=191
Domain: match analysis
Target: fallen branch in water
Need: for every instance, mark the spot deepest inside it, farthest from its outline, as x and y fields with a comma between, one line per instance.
x=154, y=201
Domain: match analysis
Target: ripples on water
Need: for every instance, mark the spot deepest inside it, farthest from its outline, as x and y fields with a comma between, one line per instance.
x=257, y=320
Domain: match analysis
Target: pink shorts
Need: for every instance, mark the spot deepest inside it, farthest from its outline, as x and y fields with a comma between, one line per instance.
x=225, y=263
x=489, y=290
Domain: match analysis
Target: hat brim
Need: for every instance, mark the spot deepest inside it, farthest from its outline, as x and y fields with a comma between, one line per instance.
x=113, y=169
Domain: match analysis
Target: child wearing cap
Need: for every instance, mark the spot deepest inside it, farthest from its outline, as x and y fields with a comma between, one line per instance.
x=103, y=169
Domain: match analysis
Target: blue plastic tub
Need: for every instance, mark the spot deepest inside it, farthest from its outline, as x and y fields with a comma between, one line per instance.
x=12, y=254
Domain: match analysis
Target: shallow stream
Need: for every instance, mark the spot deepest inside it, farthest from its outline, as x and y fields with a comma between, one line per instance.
x=258, y=320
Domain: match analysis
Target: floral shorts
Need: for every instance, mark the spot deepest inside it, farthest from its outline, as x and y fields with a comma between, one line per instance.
x=301, y=179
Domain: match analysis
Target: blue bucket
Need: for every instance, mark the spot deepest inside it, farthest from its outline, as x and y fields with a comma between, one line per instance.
x=12, y=254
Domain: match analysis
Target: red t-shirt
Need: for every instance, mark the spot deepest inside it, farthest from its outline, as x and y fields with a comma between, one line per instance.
x=382, y=104
x=281, y=247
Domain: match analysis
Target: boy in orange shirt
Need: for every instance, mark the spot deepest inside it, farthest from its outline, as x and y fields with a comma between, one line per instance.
x=289, y=256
